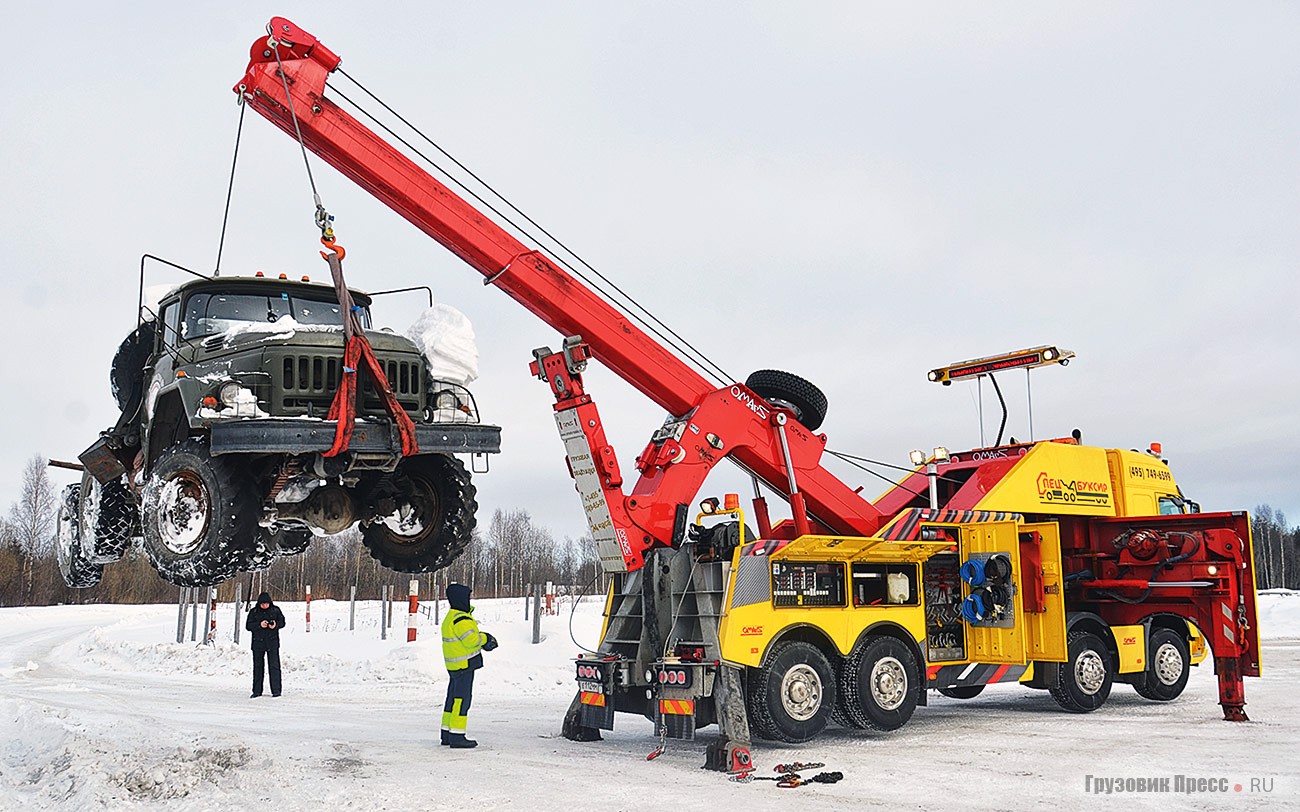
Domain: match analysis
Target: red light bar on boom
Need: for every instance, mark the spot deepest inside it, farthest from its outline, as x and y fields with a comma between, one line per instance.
x=1020, y=359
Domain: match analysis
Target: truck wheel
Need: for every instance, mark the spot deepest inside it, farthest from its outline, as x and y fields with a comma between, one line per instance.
x=841, y=714
x=433, y=519
x=1168, y=666
x=200, y=516
x=1083, y=684
x=962, y=691
x=792, y=694
x=108, y=517
x=786, y=389
x=77, y=570
x=883, y=683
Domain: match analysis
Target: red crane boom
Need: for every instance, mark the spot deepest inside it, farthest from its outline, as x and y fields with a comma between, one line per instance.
x=712, y=422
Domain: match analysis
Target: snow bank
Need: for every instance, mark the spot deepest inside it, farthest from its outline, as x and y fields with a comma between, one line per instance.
x=446, y=337
x=1279, y=614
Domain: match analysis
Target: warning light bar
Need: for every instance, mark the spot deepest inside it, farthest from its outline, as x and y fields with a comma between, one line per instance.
x=1020, y=359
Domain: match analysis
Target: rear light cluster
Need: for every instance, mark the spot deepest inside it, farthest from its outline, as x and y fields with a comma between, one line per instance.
x=590, y=672
x=674, y=676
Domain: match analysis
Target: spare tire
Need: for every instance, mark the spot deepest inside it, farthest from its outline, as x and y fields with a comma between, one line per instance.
x=127, y=374
x=790, y=391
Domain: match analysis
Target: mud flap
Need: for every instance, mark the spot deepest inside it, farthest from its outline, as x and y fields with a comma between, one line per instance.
x=676, y=718
x=595, y=710
x=574, y=728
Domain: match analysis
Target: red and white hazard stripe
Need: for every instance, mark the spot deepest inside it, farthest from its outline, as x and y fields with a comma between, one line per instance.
x=413, y=610
x=308, y=627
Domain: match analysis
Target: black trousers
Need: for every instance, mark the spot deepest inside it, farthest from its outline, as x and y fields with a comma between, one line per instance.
x=268, y=659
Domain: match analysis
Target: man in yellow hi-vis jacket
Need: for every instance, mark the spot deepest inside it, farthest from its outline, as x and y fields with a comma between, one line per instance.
x=462, y=644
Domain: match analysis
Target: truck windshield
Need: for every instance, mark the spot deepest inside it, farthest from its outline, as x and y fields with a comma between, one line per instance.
x=210, y=313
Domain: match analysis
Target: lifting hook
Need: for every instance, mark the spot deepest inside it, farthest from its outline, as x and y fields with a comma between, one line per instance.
x=329, y=243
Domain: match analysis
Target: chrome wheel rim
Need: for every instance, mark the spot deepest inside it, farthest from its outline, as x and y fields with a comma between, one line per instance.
x=1169, y=663
x=801, y=692
x=1090, y=672
x=888, y=683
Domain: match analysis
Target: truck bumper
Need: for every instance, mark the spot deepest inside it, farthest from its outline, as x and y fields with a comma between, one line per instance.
x=287, y=436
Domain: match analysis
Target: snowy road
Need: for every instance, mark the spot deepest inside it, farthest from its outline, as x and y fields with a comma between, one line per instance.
x=101, y=711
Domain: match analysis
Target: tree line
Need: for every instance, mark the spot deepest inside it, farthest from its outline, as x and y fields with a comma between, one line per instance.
x=507, y=556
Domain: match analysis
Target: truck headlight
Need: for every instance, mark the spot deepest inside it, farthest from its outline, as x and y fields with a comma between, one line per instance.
x=228, y=393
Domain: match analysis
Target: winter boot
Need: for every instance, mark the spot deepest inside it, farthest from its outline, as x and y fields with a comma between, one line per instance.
x=459, y=742
x=446, y=737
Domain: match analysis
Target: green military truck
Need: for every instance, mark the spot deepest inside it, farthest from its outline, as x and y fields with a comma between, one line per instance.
x=218, y=462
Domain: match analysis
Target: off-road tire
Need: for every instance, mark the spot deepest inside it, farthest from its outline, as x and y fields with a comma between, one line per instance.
x=127, y=373
x=1080, y=687
x=1168, y=666
x=443, y=489
x=962, y=691
x=890, y=664
x=808, y=402
x=78, y=572
x=108, y=517
x=791, y=696
x=217, y=495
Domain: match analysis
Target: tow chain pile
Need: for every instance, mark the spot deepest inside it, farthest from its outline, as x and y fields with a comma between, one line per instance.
x=789, y=776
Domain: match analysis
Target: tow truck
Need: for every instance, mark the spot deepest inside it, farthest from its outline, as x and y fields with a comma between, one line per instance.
x=1045, y=562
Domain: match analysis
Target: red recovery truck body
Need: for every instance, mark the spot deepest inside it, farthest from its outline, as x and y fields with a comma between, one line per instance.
x=768, y=424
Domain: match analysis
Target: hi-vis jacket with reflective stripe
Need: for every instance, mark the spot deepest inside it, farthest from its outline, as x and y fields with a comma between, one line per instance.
x=462, y=642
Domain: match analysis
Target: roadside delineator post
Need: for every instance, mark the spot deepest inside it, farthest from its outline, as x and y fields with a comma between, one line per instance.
x=239, y=593
x=412, y=610
x=180, y=614
x=383, y=612
x=537, y=614
x=211, y=617
x=308, y=626
x=194, y=614
x=352, y=609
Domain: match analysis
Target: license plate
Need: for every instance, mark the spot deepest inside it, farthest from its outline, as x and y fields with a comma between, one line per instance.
x=590, y=687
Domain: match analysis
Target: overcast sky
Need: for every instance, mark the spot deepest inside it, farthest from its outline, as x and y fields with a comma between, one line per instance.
x=855, y=192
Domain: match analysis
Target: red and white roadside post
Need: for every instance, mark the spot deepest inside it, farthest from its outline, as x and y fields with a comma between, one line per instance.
x=212, y=616
x=413, y=611
x=308, y=626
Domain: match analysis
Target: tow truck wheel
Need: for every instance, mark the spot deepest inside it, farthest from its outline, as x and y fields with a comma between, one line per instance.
x=1168, y=666
x=1083, y=683
x=77, y=570
x=883, y=683
x=962, y=691
x=199, y=516
x=792, y=694
x=432, y=517
x=789, y=390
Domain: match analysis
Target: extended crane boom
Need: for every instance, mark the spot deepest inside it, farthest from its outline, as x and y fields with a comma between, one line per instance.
x=711, y=423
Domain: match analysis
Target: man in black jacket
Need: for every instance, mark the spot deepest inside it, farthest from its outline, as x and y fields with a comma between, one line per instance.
x=265, y=620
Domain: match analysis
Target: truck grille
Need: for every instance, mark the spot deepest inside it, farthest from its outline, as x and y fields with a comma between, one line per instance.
x=308, y=383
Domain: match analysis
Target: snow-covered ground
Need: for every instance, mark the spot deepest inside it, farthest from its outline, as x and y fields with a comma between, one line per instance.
x=101, y=709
